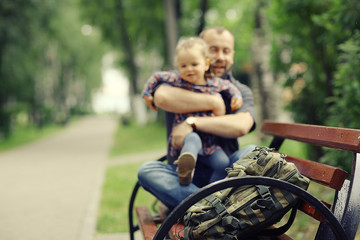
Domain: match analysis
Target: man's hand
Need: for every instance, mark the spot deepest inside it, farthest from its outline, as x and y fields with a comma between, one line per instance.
x=179, y=133
x=236, y=103
x=150, y=102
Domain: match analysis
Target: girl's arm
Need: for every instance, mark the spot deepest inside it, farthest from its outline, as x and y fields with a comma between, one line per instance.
x=179, y=100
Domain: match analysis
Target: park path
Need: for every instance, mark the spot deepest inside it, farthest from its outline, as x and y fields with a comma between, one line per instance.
x=50, y=189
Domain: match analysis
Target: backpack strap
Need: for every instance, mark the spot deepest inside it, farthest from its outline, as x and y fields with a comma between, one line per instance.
x=266, y=200
x=220, y=209
x=281, y=230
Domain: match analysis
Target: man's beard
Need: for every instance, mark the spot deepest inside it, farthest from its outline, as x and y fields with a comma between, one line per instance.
x=218, y=69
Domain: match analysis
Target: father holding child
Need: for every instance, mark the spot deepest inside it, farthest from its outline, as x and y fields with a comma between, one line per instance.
x=161, y=179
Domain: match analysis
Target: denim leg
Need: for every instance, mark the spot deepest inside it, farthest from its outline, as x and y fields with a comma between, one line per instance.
x=241, y=153
x=217, y=161
x=192, y=144
x=161, y=180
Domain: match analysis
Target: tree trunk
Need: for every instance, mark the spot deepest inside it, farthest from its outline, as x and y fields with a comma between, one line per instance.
x=137, y=107
x=171, y=30
x=265, y=88
x=204, y=7
x=121, y=26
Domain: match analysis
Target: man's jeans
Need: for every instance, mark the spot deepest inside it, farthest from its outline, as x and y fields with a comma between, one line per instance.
x=161, y=179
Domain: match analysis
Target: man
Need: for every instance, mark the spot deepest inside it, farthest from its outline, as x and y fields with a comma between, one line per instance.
x=161, y=179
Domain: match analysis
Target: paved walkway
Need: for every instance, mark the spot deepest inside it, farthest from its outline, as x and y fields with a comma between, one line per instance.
x=50, y=189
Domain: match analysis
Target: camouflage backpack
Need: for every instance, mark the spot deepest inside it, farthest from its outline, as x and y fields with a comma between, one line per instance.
x=243, y=212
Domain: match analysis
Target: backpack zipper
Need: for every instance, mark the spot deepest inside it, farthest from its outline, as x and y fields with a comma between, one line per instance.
x=290, y=175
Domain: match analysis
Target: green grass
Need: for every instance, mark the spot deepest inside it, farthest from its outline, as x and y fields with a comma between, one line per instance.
x=120, y=180
x=133, y=138
x=113, y=212
x=23, y=135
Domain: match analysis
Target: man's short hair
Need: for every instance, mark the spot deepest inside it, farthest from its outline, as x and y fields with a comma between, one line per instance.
x=218, y=29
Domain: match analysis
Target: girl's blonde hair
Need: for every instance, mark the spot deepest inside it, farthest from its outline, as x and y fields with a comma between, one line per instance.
x=190, y=42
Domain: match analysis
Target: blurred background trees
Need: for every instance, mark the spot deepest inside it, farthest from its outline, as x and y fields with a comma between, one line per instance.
x=313, y=43
x=48, y=67
x=301, y=55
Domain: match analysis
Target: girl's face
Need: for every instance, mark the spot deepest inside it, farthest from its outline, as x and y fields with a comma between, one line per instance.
x=192, y=65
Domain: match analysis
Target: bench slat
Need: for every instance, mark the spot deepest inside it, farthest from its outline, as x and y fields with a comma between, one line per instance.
x=176, y=231
x=146, y=222
x=321, y=173
x=339, y=138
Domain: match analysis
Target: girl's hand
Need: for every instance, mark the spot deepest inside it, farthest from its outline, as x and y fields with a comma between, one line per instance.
x=236, y=103
x=150, y=102
x=179, y=133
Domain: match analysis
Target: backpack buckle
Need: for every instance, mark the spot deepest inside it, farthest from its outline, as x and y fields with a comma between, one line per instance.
x=220, y=209
x=266, y=200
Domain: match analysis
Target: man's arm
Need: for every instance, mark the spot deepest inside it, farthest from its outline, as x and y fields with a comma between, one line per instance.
x=227, y=126
x=179, y=100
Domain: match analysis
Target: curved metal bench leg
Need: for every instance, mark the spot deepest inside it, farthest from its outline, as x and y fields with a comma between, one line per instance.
x=132, y=228
x=180, y=210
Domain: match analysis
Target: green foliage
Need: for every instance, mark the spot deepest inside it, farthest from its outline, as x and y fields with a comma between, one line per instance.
x=237, y=16
x=46, y=65
x=306, y=40
x=134, y=28
x=346, y=99
x=345, y=106
x=292, y=23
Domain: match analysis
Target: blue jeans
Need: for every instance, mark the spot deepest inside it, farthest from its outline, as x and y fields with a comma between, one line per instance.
x=161, y=179
x=217, y=161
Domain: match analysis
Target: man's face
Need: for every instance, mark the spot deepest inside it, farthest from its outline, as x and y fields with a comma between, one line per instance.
x=221, y=51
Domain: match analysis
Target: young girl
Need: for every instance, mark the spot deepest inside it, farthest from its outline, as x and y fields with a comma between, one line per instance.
x=192, y=62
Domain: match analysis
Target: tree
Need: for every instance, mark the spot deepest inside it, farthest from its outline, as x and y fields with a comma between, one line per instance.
x=305, y=49
x=19, y=24
x=262, y=76
x=46, y=69
x=345, y=104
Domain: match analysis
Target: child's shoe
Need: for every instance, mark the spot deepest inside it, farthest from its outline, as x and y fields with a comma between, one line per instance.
x=186, y=166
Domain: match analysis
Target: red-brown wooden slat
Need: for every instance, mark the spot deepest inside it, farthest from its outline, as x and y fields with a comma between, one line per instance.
x=311, y=211
x=339, y=138
x=146, y=223
x=176, y=231
x=324, y=174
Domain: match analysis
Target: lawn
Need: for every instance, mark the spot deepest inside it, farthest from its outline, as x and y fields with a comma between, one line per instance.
x=120, y=180
x=132, y=138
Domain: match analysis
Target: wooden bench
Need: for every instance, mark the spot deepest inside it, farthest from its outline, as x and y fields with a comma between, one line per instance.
x=344, y=216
